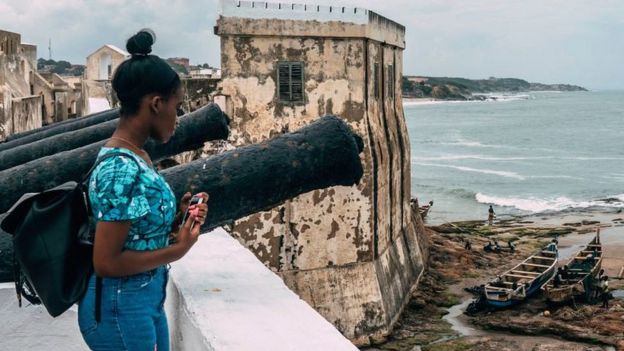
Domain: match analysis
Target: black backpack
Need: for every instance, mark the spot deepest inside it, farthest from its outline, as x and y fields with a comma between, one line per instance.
x=53, y=258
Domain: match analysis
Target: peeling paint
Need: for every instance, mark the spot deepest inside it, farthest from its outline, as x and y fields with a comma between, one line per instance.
x=323, y=243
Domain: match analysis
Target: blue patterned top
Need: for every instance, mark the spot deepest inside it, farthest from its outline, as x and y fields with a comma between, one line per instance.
x=120, y=191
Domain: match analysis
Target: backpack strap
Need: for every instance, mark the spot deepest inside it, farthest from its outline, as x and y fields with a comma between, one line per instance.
x=98, y=299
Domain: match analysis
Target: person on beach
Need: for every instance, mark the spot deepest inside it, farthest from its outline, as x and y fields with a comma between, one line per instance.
x=605, y=292
x=468, y=246
x=597, y=286
x=552, y=246
x=491, y=215
x=565, y=273
x=135, y=212
x=497, y=247
x=489, y=247
x=558, y=277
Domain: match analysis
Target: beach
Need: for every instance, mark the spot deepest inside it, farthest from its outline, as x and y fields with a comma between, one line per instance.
x=434, y=318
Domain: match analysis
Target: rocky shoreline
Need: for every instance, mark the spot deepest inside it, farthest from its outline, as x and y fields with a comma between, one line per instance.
x=452, y=269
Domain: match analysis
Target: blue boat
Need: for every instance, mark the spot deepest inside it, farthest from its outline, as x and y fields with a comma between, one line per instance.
x=523, y=280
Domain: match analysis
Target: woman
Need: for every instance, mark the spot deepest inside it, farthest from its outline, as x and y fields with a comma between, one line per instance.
x=135, y=212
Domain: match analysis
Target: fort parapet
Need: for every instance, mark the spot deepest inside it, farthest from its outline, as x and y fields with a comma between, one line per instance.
x=352, y=253
x=302, y=20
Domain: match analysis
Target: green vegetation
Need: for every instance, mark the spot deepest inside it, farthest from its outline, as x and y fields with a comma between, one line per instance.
x=59, y=67
x=463, y=89
x=448, y=300
x=455, y=346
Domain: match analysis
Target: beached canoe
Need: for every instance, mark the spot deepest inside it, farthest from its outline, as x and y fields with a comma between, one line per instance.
x=582, y=271
x=523, y=280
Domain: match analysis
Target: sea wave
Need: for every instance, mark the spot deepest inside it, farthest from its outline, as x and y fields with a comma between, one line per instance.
x=424, y=102
x=589, y=158
x=488, y=97
x=476, y=144
x=461, y=193
x=506, y=174
x=556, y=177
x=478, y=157
x=455, y=193
x=537, y=205
x=505, y=97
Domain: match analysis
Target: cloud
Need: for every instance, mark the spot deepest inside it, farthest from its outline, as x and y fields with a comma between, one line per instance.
x=567, y=41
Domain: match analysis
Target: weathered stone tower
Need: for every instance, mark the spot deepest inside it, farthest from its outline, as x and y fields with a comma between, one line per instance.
x=350, y=252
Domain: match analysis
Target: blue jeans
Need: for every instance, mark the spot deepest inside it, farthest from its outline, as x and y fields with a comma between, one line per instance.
x=132, y=313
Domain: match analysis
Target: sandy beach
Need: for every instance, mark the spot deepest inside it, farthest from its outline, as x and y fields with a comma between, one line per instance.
x=434, y=319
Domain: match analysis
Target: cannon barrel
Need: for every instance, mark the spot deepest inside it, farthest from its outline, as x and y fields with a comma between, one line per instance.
x=69, y=125
x=47, y=172
x=259, y=176
x=256, y=177
x=211, y=117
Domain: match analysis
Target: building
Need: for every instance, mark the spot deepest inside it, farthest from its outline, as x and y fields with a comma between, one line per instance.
x=101, y=64
x=214, y=73
x=181, y=61
x=97, y=90
x=20, y=107
x=30, y=99
x=352, y=253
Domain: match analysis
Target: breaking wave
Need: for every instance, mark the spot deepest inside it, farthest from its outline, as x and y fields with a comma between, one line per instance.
x=506, y=174
x=537, y=205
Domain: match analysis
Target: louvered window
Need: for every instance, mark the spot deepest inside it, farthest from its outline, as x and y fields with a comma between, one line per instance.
x=390, y=81
x=290, y=81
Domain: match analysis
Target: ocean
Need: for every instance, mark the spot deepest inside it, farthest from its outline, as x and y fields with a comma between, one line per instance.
x=526, y=153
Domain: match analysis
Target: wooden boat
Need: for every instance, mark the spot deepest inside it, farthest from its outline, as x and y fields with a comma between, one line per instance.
x=582, y=270
x=523, y=280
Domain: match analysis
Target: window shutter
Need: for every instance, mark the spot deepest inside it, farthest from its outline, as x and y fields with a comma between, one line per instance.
x=391, y=81
x=284, y=80
x=296, y=81
x=290, y=81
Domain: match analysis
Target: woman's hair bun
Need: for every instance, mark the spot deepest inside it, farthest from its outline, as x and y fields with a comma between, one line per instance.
x=141, y=43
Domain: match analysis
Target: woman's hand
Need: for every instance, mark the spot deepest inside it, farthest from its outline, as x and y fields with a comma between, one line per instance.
x=190, y=230
x=201, y=209
x=184, y=204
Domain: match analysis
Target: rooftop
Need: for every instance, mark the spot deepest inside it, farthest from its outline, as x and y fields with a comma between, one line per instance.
x=355, y=21
x=114, y=48
x=121, y=51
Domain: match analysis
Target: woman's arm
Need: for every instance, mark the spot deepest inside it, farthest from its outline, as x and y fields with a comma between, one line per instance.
x=111, y=260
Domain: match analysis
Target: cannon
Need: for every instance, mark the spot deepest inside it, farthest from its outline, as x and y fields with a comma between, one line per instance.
x=260, y=176
x=58, y=128
x=209, y=120
x=47, y=172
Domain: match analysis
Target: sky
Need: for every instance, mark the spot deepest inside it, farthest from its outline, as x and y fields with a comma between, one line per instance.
x=548, y=41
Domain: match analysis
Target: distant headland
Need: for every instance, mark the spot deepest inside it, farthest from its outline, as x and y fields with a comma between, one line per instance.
x=445, y=88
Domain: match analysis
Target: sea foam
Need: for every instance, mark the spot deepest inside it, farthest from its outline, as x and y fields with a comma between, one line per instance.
x=537, y=205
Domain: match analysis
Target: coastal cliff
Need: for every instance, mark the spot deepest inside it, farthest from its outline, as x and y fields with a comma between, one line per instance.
x=445, y=88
